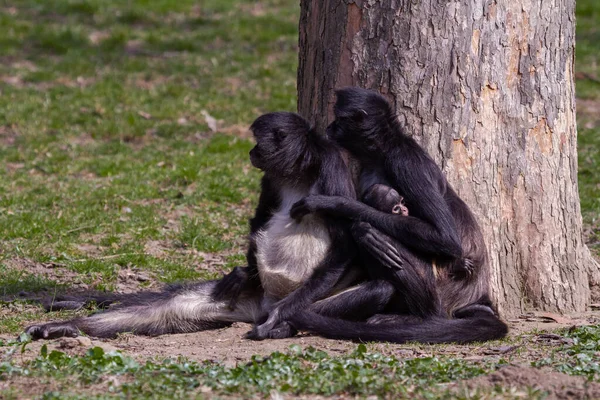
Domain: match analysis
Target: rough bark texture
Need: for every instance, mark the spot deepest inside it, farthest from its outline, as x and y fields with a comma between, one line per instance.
x=487, y=88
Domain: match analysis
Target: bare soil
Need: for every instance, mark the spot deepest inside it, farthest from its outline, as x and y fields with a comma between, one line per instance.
x=229, y=346
x=528, y=340
x=556, y=385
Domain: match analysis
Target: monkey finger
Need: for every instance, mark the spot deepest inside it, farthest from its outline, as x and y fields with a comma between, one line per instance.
x=253, y=335
x=386, y=254
x=282, y=331
x=384, y=246
x=469, y=266
x=382, y=242
x=389, y=262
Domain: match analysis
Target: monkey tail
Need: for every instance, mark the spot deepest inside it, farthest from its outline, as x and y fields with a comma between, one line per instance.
x=478, y=327
x=178, y=309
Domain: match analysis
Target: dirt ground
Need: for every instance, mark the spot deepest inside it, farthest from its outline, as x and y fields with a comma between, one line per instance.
x=229, y=346
x=528, y=341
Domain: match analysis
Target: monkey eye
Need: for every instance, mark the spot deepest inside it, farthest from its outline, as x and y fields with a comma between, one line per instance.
x=279, y=133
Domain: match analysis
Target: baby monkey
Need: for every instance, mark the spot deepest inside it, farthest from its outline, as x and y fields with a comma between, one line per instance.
x=385, y=199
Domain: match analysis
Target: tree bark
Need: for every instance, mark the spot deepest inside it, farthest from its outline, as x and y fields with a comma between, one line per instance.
x=486, y=87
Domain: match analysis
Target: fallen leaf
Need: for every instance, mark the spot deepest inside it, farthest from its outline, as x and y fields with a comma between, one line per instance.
x=144, y=115
x=210, y=120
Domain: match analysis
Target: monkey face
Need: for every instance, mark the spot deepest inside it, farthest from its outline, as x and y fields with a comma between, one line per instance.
x=282, y=146
x=385, y=199
x=361, y=119
x=255, y=157
x=349, y=134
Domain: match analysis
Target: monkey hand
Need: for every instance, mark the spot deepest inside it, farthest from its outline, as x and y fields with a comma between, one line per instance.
x=281, y=331
x=314, y=203
x=77, y=302
x=52, y=330
x=307, y=205
x=378, y=244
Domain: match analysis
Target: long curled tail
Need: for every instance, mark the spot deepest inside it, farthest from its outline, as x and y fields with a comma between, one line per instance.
x=478, y=327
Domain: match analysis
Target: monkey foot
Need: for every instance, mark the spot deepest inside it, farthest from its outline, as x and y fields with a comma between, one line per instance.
x=282, y=331
x=464, y=269
x=52, y=331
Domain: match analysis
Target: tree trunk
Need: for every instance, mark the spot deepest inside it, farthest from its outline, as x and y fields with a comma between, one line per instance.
x=486, y=87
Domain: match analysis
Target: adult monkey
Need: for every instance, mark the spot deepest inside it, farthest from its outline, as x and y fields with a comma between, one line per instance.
x=440, y=227
x=291, y=265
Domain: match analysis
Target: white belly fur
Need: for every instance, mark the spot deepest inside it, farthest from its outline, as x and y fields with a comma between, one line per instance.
x=287, y=251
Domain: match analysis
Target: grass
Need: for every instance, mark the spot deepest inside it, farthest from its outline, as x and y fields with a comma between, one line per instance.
x=588, y=93
x=296, y=372
x=112, y=166
x=104, y=129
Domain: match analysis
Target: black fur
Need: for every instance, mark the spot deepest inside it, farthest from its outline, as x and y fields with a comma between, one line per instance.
x=440, y=229
x=432, y=330
x=294, y=158
x=385, y=198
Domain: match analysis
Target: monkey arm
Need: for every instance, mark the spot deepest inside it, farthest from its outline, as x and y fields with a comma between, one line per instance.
x=412, y=277
x=267, y=203
x=411, y=231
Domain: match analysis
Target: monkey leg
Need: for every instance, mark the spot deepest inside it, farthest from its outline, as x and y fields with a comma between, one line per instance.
x=412, y=277
x=355, y=303
x=358, y=302
x=183, y=309
x=231, y=286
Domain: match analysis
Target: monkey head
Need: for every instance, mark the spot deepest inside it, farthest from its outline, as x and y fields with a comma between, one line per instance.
x=385, y=199
x=283, y=148
x=360, y=117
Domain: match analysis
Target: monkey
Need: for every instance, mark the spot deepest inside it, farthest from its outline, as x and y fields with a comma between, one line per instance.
x=413, y=277
x=292, y=266
x=296, y=263
x=385, y=199
x=379, y=196
x=440, y=229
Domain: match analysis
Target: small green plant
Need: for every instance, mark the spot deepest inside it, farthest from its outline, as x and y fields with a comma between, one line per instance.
x=296, y=372
x=580, y=355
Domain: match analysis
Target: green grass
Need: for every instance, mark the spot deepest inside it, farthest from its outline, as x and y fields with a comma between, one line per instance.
x=310, y=372
x=579, y=356
x=588, y=88
x=297, y=372
x=104, y=133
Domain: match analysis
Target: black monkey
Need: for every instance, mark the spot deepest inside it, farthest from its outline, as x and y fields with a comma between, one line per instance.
x=292, y=265
x=440, y=227
x=386, y=199
x=413, y=277
x=296, y=264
